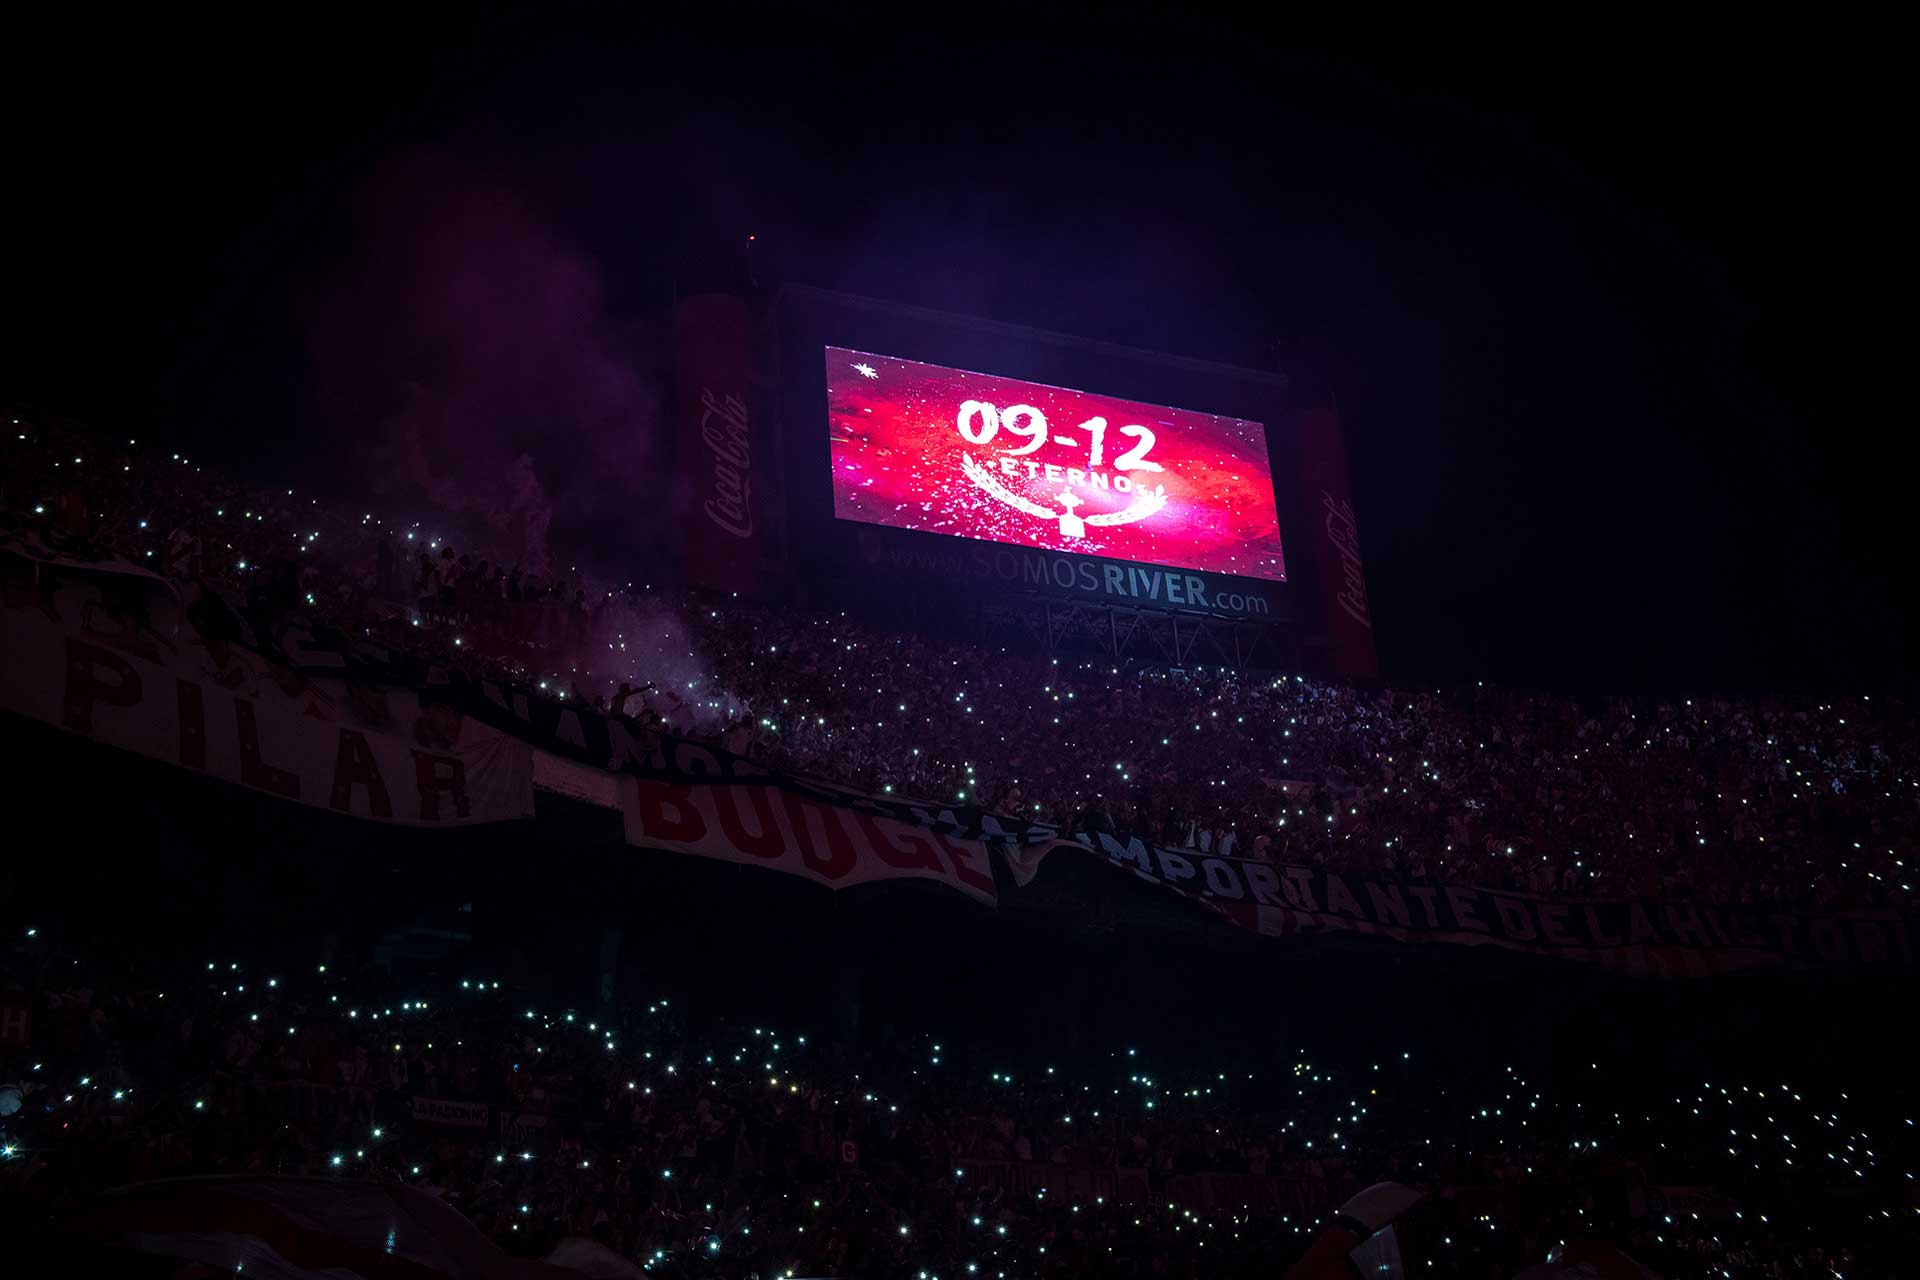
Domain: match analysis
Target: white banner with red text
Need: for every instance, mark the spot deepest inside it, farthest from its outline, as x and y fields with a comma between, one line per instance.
x=117, y=660
x=831, y=840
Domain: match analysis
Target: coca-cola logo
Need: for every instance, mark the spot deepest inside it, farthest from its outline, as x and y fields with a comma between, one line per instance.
x=1344, y=533
x=727, y=433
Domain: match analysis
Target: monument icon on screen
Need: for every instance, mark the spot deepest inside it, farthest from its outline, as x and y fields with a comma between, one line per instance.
x=1143, y=505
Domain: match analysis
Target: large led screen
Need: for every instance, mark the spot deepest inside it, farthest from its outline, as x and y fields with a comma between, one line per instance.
x=920, y=446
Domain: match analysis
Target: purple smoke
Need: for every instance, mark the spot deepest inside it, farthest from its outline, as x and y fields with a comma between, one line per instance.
x=468, y=343
x=646, y=641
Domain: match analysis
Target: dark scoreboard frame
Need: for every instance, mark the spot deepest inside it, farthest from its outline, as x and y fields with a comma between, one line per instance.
x=853, y=560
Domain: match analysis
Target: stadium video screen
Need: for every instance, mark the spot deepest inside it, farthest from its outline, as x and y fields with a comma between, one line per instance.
x=920, y=446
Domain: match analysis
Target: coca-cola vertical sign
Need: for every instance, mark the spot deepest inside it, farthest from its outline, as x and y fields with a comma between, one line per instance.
x=1335, y=533
x=720, y=508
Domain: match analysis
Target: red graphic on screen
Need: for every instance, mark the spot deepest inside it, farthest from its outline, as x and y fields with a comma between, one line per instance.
x=919, y=446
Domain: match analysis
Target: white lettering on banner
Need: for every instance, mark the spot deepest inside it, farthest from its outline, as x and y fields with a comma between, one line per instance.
x=727, y=432
x=471, y=1115
x=1228, y=879
x=1343, y=531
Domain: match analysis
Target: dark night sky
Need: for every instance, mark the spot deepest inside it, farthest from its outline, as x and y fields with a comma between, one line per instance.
x=1598, y=306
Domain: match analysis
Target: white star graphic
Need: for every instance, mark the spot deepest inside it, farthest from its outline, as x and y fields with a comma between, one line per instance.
x=866, y=371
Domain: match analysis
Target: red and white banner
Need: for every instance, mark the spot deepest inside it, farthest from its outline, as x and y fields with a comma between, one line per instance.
x=108, y=659
x=777, y=827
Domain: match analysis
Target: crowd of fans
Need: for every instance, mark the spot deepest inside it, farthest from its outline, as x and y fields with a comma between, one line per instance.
x=1712, y=798
x=1802, y=803
x=699, y=1146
